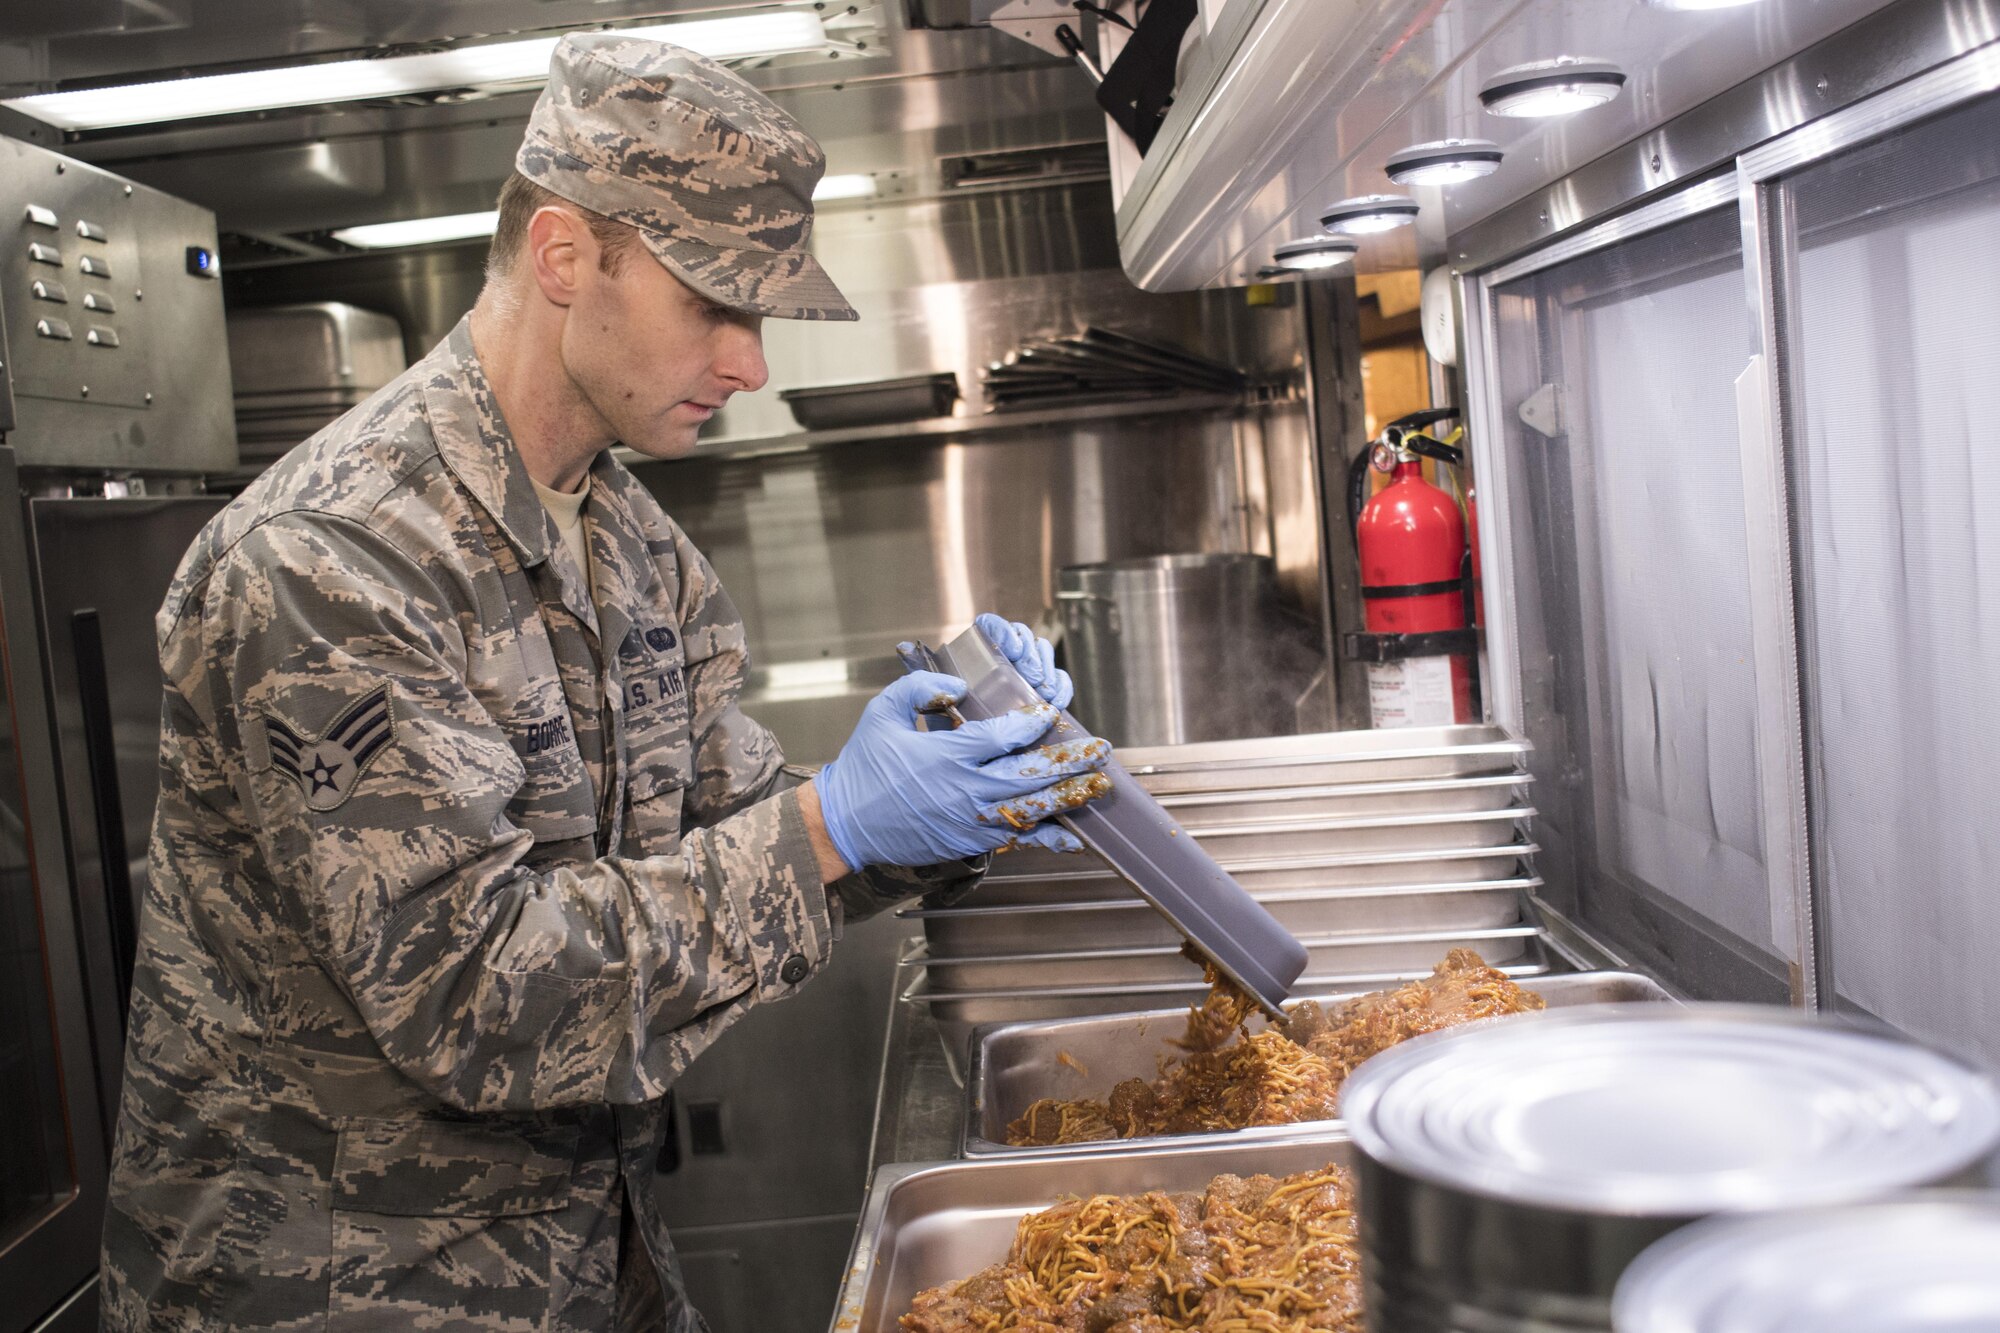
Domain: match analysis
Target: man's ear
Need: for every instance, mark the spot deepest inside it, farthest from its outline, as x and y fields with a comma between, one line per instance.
x=559, y=251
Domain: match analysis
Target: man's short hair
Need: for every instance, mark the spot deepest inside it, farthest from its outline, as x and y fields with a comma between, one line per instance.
x=520, y=197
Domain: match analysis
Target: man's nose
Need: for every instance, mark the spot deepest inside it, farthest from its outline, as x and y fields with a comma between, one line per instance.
x=740, y=362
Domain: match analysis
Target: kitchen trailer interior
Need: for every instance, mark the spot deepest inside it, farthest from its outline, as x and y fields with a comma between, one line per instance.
x=1719, y=345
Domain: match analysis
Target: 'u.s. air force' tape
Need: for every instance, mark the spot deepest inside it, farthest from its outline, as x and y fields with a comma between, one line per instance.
x=327, y=767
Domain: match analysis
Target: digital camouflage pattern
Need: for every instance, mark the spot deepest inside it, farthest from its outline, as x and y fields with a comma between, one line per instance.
x=716, y=177
x=456, y=866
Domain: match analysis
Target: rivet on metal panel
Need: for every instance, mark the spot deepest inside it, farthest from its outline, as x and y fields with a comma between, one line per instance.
x=86, y=391
x=149, y=397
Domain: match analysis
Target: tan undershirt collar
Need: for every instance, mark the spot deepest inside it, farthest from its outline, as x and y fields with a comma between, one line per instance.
x=566, y=508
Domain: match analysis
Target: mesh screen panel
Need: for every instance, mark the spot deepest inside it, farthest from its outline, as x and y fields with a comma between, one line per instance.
x=1617, y=376
x=1893, y=394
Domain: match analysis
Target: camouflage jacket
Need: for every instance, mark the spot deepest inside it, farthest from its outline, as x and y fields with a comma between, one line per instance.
x=454, y=870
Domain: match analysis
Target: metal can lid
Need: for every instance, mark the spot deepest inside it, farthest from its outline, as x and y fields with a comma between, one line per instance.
x=1920, y=1263
x=1638, y=1110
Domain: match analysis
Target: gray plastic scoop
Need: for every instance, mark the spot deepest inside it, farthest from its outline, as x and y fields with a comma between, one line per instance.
x=1140, y=840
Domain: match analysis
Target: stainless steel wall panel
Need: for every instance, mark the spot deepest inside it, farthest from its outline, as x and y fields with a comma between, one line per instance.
x=843, y=552
x=1236, y=171
x=1886, y=395
x=1879, y=51
x=1626, y=593
x=140, y=383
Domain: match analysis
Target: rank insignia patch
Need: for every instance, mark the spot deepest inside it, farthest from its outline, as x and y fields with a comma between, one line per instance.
x=325, y=769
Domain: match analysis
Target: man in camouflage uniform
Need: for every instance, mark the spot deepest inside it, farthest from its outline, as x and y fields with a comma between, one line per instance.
x=463, y=848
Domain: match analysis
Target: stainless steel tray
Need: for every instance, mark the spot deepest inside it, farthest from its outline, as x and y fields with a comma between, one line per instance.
x=953, y=932
x=1201, y=810
x=1012, y=1067
x=1325, y=758
x=1234, y=844
x=926, y=1223
x=958, y=1014
x=1262, y=877
x=1326, y=956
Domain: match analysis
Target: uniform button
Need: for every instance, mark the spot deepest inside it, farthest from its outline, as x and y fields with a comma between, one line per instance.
x=795, y=969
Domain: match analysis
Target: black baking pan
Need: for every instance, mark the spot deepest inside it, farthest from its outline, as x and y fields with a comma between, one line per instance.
x=873, y=402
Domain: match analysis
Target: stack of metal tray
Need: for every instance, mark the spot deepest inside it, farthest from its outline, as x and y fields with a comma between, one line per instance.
x=924, y=1224
x=1016, y=1065
x=297, y=367
x=1380, y=850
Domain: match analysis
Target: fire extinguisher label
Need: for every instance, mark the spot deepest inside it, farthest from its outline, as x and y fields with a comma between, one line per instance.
x=1416, y=692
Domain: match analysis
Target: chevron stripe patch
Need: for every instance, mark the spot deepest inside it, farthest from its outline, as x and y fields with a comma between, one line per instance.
x=326, y=768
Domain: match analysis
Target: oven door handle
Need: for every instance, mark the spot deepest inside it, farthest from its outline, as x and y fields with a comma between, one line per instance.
x=101, y=750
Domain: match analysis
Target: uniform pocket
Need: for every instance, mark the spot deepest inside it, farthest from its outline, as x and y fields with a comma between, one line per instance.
x=447, y=1225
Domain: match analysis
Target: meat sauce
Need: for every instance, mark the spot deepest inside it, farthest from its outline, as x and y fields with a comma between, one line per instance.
x=1288, y=1073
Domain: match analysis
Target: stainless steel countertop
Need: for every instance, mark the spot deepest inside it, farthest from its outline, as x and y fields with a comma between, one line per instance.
x=919, y=1106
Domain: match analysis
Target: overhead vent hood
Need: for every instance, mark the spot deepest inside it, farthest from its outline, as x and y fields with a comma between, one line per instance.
x=1286, y=107
x=1015, y=167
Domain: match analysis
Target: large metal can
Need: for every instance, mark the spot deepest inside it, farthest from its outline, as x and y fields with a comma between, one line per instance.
x=1170, y=649
x=1509, y=1172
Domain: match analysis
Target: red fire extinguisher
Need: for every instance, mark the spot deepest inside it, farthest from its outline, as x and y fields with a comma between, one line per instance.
x=1416, y=578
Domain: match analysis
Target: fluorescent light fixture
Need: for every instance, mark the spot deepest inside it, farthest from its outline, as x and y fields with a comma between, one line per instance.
x=1445, y=162
x=420, y=231
x=1313, y=255
x=844, y=187
x=1369, y=214
x=1695, y=4
x=1559, y=87
x=526, y=62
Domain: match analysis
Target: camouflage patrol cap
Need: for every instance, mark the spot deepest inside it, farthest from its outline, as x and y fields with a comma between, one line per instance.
x=717, y=179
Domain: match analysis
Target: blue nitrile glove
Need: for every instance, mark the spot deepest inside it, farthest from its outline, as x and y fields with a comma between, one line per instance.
x=900, y=796
x=1034, y=658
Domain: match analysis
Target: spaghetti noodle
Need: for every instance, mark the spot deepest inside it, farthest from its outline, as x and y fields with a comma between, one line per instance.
x=1260, y=1254
x=1286, y=1074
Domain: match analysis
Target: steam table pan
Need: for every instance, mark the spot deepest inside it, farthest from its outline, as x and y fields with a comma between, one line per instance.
x=1012, y=1067
x=959, y=1014
x=1142, y=842
x=1289, y=805
x=927, y=1223
x=1089, y=881
x=972, y=929
x=1320, y=759
x=1233, y=844
x=1327, y=955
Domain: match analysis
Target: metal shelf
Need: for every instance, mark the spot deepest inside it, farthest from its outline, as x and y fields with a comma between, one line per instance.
x=939, y=427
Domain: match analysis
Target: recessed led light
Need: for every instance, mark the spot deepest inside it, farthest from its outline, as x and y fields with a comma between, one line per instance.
x=1445, y=162
x=1369, y=214
x=1312, y=255
x=497, y=64
x=858, y=186
x=1559, y=87
x=419, y=231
